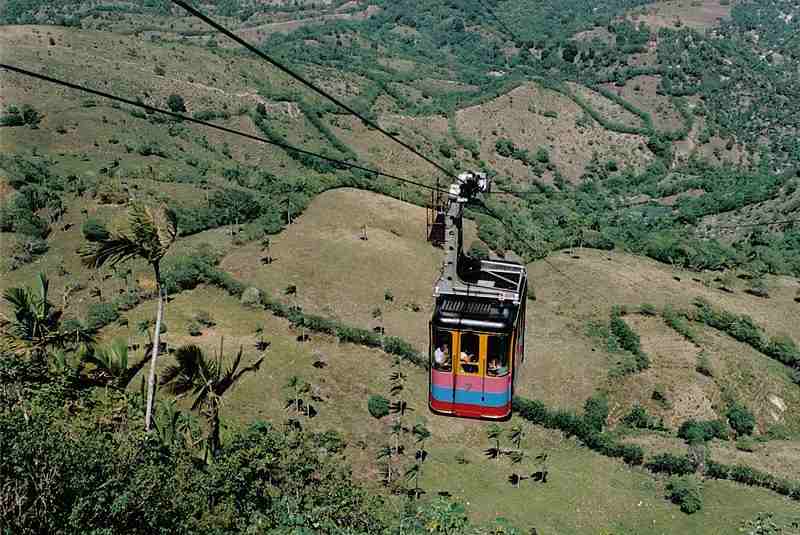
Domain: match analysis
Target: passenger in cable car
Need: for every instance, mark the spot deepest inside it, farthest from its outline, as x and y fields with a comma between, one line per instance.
x=469, y=362
x=442, y=358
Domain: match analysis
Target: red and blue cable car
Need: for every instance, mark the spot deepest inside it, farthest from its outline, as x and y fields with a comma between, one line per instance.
x=477, y=331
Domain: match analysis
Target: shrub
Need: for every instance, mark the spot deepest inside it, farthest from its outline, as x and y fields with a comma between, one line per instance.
x=194, y=328
x=632, y=454
x=542, y=155
x=741, y=419
x=30, y=116
x=251, y=296
x=694, y=431
x=648, y=309
x=595, y=412
x=176, y=103
x=505, y=147
x=478, y=250
x=98, y=315
x=704, y=365
x=126, y=300
x=378, y=406
x=94, y=230
x=639, y=419
x=686, y=491
x=746, y=444
x=671, y=464
x=12, y=117
x=660, y=395
x=203, y=317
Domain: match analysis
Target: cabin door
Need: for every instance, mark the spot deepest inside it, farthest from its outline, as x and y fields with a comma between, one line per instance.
x=444, y=348
x=468, y=368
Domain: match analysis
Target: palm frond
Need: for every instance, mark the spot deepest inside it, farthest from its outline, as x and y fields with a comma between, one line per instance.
x=155, y=229
x=228, y=383
x=131, y=372
x=187, y=373
x=117, y=248
x=43, y=286
x=19, y=299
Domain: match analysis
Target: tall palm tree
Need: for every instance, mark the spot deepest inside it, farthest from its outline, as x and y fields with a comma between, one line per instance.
x=112, y=364
x=207, y=380
x=152, y=232
x=35, y=328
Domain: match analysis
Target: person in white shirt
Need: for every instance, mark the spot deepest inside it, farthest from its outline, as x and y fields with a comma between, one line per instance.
x=442, y=356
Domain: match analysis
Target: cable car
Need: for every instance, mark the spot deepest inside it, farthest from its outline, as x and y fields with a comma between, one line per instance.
x=477, y=330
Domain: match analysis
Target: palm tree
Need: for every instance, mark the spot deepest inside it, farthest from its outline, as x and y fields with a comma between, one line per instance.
x=112, y=364
x=175, y=427
x=207, y=381
x=35, y=328
x=493, y=432
x=152, y=232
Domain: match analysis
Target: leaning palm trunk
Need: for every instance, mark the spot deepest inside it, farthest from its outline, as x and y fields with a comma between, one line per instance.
x=152, y=232
x=151, y=377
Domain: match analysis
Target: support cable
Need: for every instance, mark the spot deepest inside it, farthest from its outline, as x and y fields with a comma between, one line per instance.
x=340, y=163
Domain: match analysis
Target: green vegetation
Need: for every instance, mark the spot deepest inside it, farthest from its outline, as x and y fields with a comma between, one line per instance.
x=686, y=491
x=781, y=348
x=639, y=419
x=741, y=419
x=701, y=431
x=378, y=406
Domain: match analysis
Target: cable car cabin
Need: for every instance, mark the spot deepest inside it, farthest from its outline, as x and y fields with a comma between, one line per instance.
x=478, y=343
x=477, y=332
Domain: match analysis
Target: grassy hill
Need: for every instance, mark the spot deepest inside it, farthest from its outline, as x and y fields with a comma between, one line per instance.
x=643, y=201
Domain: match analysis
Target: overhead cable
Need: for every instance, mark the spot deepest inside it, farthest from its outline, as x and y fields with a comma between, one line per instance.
x=225, y=129
x=372, y=124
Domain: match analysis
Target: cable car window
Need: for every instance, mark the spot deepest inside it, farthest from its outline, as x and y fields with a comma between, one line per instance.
x=497, y=356
x=442, y=350
x=469, y=357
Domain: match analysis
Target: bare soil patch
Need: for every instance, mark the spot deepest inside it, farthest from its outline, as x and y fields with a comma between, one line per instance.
x=520, y=116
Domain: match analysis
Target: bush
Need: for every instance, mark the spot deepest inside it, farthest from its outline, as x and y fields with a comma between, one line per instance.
x=746, y=444
x=127, y=300
x=378, y=406
x=632, y=454
x=704, y=365
x=203, y=317
x=194, y=328
x=94, y=230
x=542, y=155
x=251, y=296
x=671, y=464
x=639, y=419
x=595, y=412
x=98, y=315
x=741, y=419
x=660, y=395
x=176, y=103
x=694, y=431
x=12, y=117
x=648, y=309
x=478, y=250
x=687, y=492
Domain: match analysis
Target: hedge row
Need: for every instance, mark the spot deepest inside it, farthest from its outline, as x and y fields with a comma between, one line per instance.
x=743, y=328
x=754, y=478
x=571, y=424
x=345, y=333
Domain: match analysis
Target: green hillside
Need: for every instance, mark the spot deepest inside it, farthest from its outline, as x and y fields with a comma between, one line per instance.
x=646, y=168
